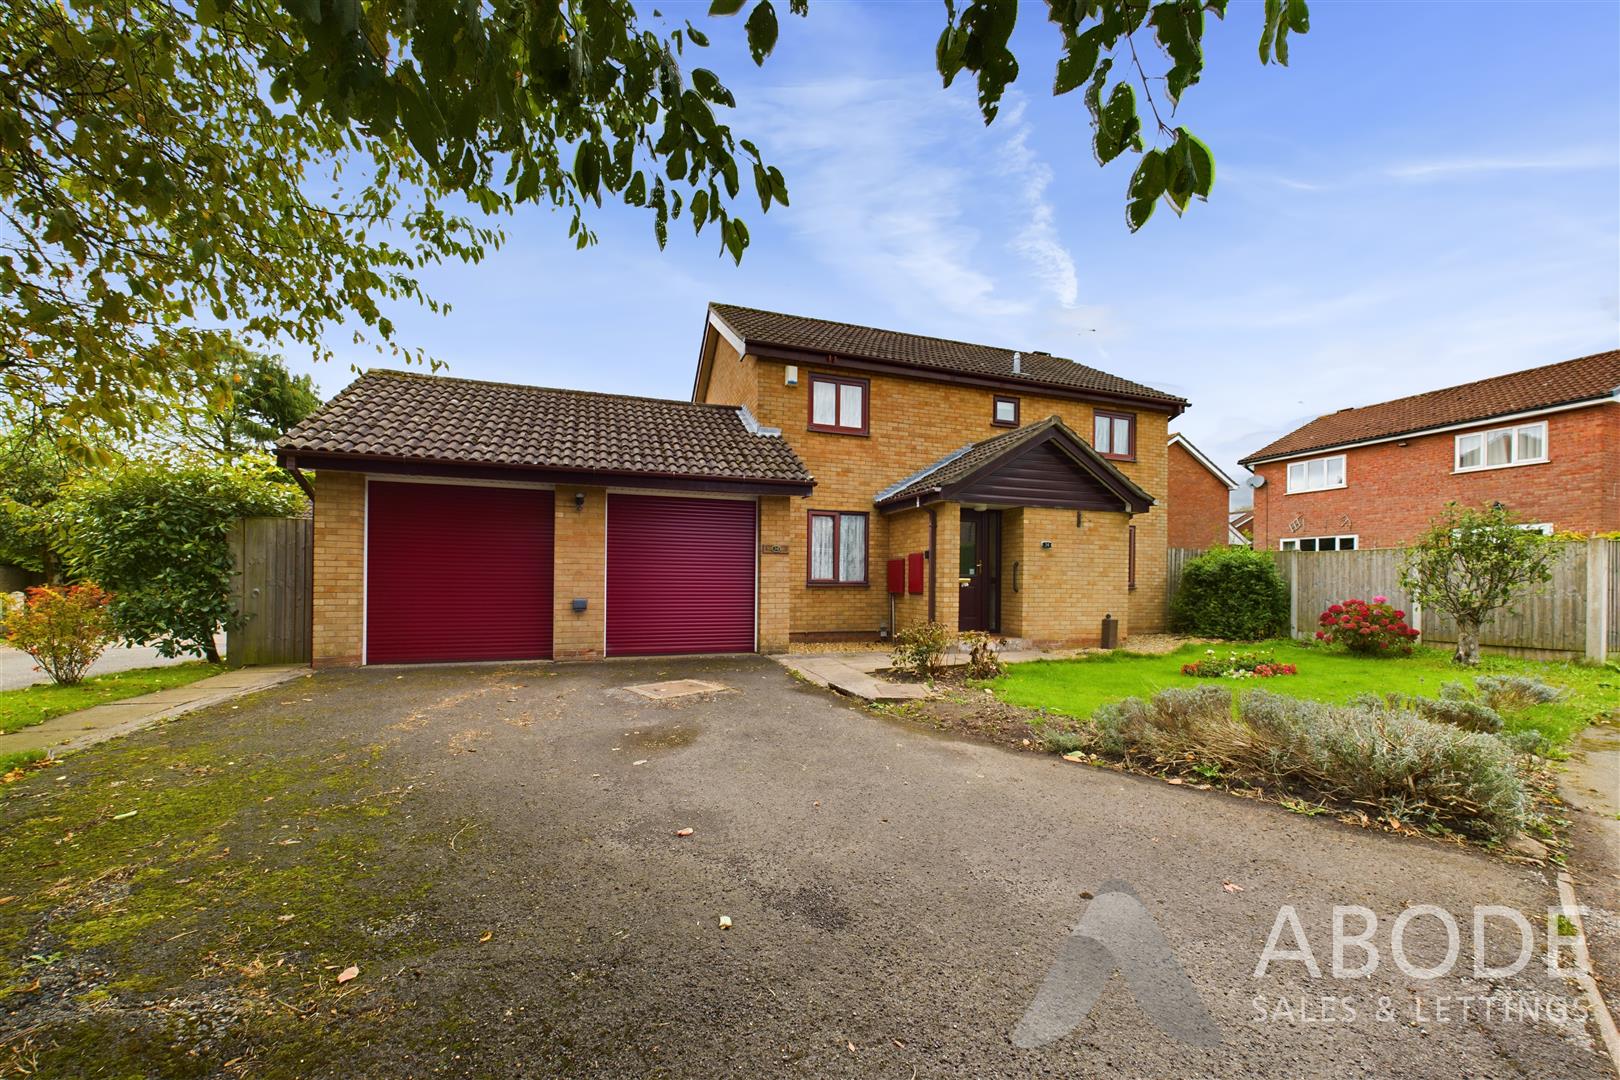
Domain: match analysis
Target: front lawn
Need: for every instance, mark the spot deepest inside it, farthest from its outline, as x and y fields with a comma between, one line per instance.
x=36, y=704
x=1076, y=687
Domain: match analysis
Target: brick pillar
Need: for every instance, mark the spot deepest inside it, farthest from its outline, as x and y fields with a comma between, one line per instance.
x=340, y=553
x=580, y=571
x=776, y=564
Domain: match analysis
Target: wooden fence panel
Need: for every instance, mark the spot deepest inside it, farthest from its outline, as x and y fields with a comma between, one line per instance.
x=1179, y=558
x=1550, y=618
x=273, y=590
x=1321, y=578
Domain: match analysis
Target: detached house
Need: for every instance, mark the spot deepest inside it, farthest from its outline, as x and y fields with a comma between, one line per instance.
x=825, y=481
x=1543, y=442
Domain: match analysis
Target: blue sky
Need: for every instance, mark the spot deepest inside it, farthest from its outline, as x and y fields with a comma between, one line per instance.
x=1430, y=194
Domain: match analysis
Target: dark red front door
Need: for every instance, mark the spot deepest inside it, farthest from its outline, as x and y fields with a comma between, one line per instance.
x=978, y=579
x=457, y=573
x=680, y=575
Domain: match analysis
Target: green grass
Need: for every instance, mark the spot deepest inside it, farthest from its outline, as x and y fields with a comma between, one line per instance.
x=1076, y=687
x=36, y=704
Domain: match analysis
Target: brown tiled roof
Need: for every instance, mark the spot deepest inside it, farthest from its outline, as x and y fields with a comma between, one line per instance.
x=867, y=343
x=412, y=416
x=961, y=464
x=1584, y=379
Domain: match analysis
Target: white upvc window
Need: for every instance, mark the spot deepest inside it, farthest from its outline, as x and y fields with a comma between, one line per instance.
x=1317, y=474
x=1523, y=444
x=1319, y=543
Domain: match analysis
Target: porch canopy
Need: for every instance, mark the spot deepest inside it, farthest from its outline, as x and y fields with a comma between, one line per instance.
x=1044, y=464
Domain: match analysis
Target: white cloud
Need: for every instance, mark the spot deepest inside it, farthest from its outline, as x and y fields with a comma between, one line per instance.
x=1592, y=158
x=1038, y=240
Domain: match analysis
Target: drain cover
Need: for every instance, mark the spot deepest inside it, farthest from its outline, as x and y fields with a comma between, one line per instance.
x=663, y=691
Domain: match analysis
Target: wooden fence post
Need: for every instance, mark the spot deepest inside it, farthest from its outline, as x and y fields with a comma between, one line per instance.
x=1598, y=601
x=1293, y=594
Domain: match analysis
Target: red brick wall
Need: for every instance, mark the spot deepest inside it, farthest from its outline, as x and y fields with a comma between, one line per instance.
x=1197, y=503
x=1391, y=491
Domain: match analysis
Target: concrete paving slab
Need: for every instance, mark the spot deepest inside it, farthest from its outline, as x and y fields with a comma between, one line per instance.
x=675, y=688
x=76, y=730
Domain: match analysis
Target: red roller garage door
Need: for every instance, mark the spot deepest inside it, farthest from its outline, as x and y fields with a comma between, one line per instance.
x=457, y=573
x=680, y=575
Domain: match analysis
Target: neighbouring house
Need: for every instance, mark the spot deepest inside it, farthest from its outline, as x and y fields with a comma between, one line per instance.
x=1240, y=527
x=1199, y=495
x=1543, y=442
x=818, y=466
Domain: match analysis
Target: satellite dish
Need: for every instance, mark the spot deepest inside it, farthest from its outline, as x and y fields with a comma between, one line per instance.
x=1257, y=481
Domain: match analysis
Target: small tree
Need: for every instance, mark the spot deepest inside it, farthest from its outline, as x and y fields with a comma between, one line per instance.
x=157, y=533
x=64, y=630
x=1472, y=562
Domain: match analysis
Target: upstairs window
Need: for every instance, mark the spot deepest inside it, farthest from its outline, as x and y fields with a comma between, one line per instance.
x=1114, y=435
x=838, y=404
x=1525, y=444
x=1318, y=474
x=837, y=548
x=1004, y=413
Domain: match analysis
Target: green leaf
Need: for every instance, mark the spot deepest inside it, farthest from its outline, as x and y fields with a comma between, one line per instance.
x=761, y=27
x=1079, y=61
x=708, y=84
x=725, y=7
x=587, y=174
x=1179, y=27
x=1117, y=127
x=1147, y=184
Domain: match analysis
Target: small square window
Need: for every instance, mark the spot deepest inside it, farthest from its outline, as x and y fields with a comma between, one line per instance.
x=1004, y=412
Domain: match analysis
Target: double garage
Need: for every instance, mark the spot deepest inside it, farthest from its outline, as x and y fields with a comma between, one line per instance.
x=462, y=572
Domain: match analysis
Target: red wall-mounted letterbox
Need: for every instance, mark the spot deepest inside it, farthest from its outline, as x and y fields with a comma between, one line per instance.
x=914, y=573
x=897, y=576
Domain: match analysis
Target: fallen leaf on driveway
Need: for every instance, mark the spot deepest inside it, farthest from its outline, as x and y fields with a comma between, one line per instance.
x=683, y=832
x=6, y=899
x=1177, y=780
x=1229, y=887
x=725, y=922
x=487, y=935
x=348, y=973
x=125, y=814
x=643, y=761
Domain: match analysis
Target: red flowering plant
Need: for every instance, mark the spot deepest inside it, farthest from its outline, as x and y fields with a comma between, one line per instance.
x=1237, y=665
x=1373, y=628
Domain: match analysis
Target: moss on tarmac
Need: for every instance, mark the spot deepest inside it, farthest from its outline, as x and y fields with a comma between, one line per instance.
x=174, y=906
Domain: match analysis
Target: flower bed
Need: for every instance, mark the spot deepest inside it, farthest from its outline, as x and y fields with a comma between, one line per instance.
x=1236, y=665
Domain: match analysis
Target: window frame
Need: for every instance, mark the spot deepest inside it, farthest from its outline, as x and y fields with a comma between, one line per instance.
x=995, y=404
x=838, y=403
x=1484, y=437
x=1344, y=474
x=837, y=517
x=1111, y=454
x=1338, y=540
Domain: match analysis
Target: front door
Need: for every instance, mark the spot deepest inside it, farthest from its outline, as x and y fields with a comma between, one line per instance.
x=979, y=572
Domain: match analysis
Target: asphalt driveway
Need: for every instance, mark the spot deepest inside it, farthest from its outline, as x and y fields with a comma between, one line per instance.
x=896, y=897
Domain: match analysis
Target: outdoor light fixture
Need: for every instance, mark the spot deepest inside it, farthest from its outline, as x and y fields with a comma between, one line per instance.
x=579, y=500
x=791, y=375
x=579, y=603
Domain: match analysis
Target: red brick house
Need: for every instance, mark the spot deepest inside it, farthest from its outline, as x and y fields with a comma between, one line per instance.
x=1544, y=442
x=1199, y=498
x=1013, y=492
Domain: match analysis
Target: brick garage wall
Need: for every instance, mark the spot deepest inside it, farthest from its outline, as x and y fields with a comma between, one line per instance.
x=340, y=558
x=1196, y=509
x=776, y=576
x=1393, y=491
x=580, y=570
x=1064, y=591
x=912, y=424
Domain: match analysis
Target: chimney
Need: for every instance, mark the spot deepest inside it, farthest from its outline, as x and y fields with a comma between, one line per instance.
x=1018, y=363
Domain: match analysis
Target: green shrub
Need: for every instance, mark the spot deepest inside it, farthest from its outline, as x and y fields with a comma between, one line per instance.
x=1367, y=754
x=1516, y=693
x=1232, y=592
x=918, y=649
x=983, y=661
x=1065, y=742
x=156, y=533
x=1459, y=712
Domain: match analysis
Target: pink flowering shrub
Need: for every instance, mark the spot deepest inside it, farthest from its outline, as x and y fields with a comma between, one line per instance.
x=1374, y=628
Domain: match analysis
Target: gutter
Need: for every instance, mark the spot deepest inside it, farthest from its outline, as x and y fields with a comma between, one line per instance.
x=933, y=563
x=291, y=465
